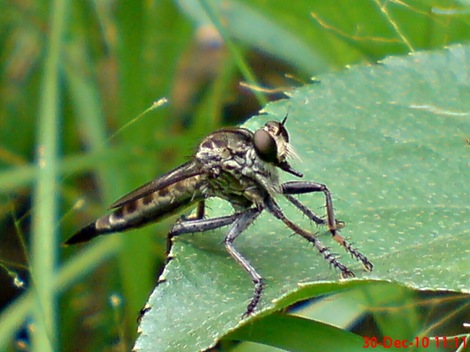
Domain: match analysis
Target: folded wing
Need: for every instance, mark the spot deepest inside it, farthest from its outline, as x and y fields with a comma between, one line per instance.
x=164, y=196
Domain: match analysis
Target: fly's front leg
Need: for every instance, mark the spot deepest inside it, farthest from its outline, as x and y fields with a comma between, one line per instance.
x=307, y=212
x=301, y=187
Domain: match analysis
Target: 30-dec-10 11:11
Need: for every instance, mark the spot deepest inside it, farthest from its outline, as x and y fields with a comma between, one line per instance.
x=423, y=341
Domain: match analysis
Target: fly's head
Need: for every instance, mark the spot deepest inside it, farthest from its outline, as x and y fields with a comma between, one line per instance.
x=271, y=143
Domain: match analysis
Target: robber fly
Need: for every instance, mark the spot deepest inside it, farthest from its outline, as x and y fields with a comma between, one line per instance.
x=241, y=167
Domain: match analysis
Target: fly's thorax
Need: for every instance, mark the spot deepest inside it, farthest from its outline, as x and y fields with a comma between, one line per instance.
x=223, y=150
x=235, y=170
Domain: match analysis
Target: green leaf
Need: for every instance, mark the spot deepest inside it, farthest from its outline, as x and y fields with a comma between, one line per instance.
x=294, y=333
x=391, y=143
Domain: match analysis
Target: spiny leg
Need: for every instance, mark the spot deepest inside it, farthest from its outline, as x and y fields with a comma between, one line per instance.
x=183, y=226
x=307, y=212
x=300, y=187
x=241, y=224
x=200, y=211
x=274, y=209
x=240, y=221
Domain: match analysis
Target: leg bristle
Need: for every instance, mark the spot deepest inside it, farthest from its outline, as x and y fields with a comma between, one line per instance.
x=255, y=300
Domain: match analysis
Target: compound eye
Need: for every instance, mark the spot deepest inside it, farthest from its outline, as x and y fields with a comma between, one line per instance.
x=265, y=146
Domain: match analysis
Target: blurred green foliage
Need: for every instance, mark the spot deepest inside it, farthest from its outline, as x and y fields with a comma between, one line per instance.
x=74, y=77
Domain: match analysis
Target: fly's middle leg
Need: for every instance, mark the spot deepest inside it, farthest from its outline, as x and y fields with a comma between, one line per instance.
x=274, y=209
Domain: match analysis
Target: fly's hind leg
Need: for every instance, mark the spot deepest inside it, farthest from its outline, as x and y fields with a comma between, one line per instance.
x=183, y=226
x=239, y=223
x=200, y=211
x=196, y=223
x=300, y=187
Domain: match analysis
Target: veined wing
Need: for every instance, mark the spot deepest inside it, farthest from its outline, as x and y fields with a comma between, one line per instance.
x=152, y=202
x=187, y=170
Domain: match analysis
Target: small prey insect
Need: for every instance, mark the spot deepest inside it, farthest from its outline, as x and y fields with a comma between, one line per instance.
x=241, y=167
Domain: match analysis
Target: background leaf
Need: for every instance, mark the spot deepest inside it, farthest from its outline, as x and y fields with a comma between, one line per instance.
x=390, y=142
x=298, y=334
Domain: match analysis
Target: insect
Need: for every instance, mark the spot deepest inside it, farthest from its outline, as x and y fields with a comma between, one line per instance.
x=241, y=167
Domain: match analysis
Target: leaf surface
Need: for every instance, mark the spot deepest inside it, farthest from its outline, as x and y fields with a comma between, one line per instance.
x=391, y=143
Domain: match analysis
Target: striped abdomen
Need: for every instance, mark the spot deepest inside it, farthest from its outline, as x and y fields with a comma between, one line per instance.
x=150, y=207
